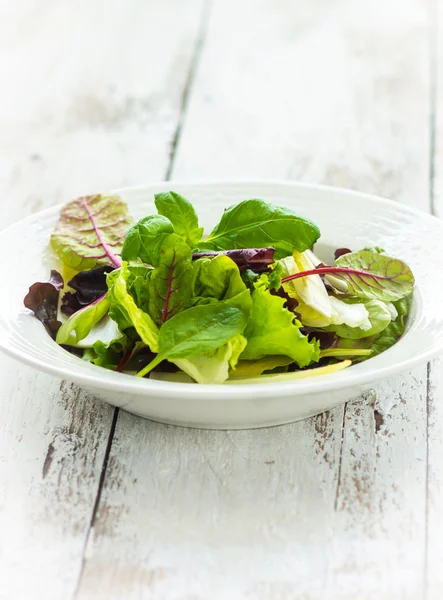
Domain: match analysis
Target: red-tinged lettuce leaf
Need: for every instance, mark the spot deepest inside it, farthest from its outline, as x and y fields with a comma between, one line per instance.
x=42, y=299
x=257, y=260
x=90, y=232
x=341, y=252
x=88, y=287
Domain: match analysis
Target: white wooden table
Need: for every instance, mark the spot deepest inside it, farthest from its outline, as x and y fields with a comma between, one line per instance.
x=97, y=503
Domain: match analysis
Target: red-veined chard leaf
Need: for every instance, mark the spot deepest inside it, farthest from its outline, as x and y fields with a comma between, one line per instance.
x=368, y=275
x=90, y=232
x=171, y=280
x=42, y=299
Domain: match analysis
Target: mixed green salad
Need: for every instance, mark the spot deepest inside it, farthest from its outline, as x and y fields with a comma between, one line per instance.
x=250, y=301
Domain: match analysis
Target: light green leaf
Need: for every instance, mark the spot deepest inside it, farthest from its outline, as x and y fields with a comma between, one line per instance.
x=213, y=367
x=80, y=324
x=90, y=232
x=273, y=329
x=258, y=224
x=145, y=238
x=254, y=368
x=182, y=215
x=387, y=279
x=379, y=317
x=125, y=312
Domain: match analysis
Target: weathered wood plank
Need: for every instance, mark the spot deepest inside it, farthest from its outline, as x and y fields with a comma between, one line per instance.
x=320, y=92
x=91, y=99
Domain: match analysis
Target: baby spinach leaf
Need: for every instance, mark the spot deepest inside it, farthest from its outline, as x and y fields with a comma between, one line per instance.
x=182, y=215
x=80, y=324
x=257, y=224
x=90, y=232
x=197, y=331
x=42, y=299
x=124, y=310
x=145, y=237
x=273, y=330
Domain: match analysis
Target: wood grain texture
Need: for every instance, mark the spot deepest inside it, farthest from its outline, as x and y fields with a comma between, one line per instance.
x=334, y=507
x=92, y=98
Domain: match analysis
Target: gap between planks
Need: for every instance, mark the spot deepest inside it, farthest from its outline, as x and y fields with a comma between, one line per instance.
x=198, y=48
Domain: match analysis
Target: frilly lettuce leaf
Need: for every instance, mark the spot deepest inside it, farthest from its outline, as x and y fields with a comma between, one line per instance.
x=182, y=215
x=214, y=366
x=272, y=329
x=217, y=278
x=124, y=310
x=90, y=232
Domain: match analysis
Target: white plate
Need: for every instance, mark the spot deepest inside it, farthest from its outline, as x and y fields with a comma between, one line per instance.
x=345, y=218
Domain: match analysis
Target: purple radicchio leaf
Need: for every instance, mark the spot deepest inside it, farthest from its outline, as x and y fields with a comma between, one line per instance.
x=42, y=299
x=340, y=252
x=88, y=287
x=256, y=259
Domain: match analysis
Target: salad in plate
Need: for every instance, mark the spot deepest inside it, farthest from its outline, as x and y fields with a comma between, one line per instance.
x=248, y=302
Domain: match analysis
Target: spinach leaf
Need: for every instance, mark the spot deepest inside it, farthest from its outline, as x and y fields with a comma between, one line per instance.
x=145, y=237
x=182, y=215
x=90, y=232
x=197, y=331
x=124, y=310
x=257, y=224
x=273, y=330
x=80, y=324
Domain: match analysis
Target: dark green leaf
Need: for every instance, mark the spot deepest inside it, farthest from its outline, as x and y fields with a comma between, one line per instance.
x=257, y=224
x=182, y=215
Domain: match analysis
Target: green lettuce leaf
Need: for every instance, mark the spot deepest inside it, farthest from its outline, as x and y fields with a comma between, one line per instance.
x=387, y=279
x=218, y=278
x=145, y=238
x=379, y=317
x=258, y=224
x=124, y=310
x=171, y=281
x=90, y=232
x=196, y=331
x=254, y=368
x=80, y=324
x=213, y=367
x=182, y=215
x=106, y=354
x=272, y=329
